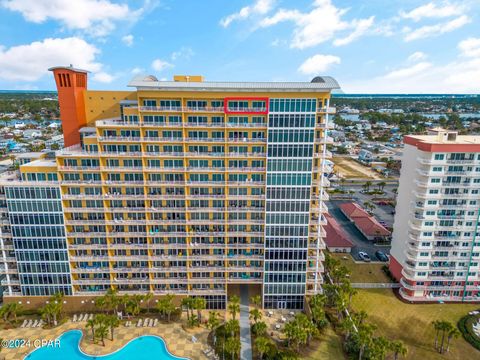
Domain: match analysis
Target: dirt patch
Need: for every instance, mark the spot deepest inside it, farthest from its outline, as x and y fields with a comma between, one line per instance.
x=350, y=169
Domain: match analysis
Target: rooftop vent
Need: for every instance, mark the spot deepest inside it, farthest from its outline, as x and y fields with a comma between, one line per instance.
x=318, y=79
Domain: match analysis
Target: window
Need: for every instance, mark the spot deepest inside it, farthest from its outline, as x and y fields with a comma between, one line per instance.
x=439, y=156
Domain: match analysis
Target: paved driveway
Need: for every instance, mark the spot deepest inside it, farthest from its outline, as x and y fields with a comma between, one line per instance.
x=361, y=244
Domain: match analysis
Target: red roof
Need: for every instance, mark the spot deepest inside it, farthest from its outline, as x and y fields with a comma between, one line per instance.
x=369, y=226
x=366, y=223
x=336, y=237
x=353, y=210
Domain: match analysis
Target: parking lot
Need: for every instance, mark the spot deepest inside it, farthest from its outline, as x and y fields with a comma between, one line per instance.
x=361, y=244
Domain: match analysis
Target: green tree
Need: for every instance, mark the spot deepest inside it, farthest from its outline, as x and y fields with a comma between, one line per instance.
x=398, y=348
x=213, y=321
x=257, y=301
x=234, y=306
x=112, y=322
x=148, y=300
x=262, y=344
x=255, y=315
x=101, y=332
x=365, y=333
x=260, y=328
x=187, y=303
x=381, y=185
x=199, y=304
x=91, y=325
x=232, y=346
x=232, y=327
x=453, y=333
x=166, y=306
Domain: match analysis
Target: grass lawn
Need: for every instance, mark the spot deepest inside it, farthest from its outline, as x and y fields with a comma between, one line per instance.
x=363, y=272
x=329, y=347
x=351, y=169
x=412, y=323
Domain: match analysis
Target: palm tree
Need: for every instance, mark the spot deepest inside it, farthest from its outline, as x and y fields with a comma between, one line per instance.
x=165, y=306
x=91, y=324
x=102, y=332
x=213, y=321
x=381, y=185
x=232, y=346
x=367, y=185
x=148, y=298
x=112, y=322
x=260, y=328
x=187, y=303
x=15, y=309
x=453, y=333
x=262, y=344
x=199, y=304
x=398, y=348
x=380, y=346
x=232, y=327
x=234, y=306
x=365, y=333
x=256, y=300
x=255, y=315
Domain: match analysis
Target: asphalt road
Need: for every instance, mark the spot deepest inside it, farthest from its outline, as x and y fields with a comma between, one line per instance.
x=361, y=244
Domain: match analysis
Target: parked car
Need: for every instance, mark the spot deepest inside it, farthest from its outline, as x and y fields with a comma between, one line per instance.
x=364, y=256
x=381, y=256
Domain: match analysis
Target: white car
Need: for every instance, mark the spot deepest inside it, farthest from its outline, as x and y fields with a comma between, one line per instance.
x=364, y=256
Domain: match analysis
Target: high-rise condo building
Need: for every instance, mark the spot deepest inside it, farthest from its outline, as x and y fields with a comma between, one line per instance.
x=185, y=187
x=436, y=245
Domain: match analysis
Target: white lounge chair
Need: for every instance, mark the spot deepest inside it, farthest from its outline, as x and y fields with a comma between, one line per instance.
x=155, y=322
x=278, y=326
x=74, y=318
x=30, y=322
x=35, y=323
x=139, y=323
x=40, y=323
x=145, y=322
x=24, y=323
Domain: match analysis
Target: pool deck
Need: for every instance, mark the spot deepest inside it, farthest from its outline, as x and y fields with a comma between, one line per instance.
x=179, y=342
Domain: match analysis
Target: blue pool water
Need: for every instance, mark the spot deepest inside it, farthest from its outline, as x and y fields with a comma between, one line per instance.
x=142, y=348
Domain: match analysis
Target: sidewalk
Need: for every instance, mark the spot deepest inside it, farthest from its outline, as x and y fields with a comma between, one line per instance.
x=245, y=338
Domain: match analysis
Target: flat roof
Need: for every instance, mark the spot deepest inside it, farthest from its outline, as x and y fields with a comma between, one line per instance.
x=41, y=162
x=434, y=139
x=71, y=68
x=327, y=83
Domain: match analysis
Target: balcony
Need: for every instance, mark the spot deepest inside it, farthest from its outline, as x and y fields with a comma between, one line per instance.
x=181, y=109
x=327, y=110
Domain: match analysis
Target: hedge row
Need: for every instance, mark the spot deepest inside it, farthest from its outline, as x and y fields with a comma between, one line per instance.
x=465, y=327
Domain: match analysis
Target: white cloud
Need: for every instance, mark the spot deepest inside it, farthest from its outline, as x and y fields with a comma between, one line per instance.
x=259, y=7
x=128, y=39
x=184, y=52
x=103, y=77
x=30, y=62
x=470, y=47
x=96, y=17
x=462, y=75
x=137, y=70
x=319, y=25
x=408, y=71
x=160, y=65
x=434, y=10
x=417, y=56
x=318, y=64
x=360, y=28
x=437, y=29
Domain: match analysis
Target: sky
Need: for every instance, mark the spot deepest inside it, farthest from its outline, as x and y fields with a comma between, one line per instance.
x=369, y=46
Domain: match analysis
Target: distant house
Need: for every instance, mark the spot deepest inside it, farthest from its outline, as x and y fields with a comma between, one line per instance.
x=368, y=225
x=54, y=125
x=337, y=239
x=365, y=156
x=19, y=125
x=58, y=139
x=32, y=133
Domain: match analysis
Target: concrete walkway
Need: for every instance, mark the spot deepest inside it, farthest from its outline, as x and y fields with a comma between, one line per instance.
x=245, y=338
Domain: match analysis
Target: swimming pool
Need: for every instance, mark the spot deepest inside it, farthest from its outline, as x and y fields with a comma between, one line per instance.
x=146, y=347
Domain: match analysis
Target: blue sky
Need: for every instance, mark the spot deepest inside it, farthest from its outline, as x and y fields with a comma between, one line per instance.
x=369, y=46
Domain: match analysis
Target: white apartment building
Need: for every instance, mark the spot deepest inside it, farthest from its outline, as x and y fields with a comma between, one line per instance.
x=436, y=245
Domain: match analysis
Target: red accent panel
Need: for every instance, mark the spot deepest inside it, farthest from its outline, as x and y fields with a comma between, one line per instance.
x=227, y=99
x=424, y=145
x=395, y=268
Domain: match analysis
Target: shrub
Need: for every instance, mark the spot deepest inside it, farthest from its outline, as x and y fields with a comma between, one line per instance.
x=465, y=327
